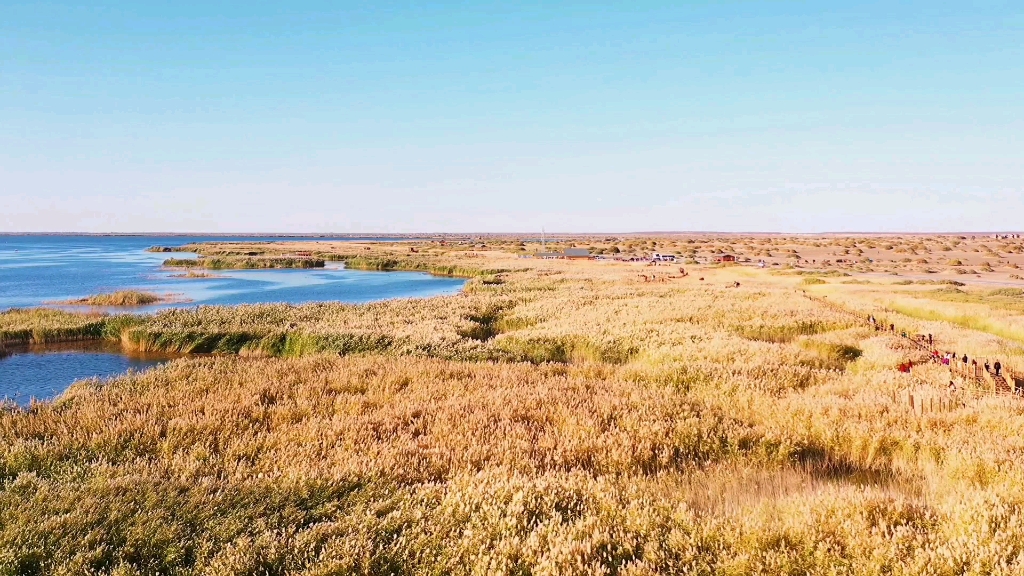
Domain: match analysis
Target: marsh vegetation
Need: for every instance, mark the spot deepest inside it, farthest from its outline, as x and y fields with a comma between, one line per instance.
x=244, y=263
x=556, y=417
x=123, y=298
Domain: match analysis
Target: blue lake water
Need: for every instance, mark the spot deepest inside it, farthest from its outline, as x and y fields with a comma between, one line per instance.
x=37, y=270
x=44, y=372
x=40, y=270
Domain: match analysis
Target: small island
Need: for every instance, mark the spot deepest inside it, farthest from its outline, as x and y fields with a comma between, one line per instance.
x=124, y=298
x=192, y=274
x=244, y=262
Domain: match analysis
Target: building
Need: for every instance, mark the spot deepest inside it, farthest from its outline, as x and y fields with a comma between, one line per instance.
x=726, y=258
x=658, y=257
x=568, y=254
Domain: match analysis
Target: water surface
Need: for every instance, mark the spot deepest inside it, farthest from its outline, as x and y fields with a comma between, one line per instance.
x=42, y=270
x=43, y=372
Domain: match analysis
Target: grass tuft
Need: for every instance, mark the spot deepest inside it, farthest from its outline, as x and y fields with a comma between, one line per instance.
x=125, y=298
x=243, y=263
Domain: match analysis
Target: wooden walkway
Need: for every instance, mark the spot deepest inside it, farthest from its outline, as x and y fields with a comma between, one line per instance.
x=972, y=381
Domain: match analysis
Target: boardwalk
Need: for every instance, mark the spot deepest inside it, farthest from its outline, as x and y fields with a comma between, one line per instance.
x=969, y=380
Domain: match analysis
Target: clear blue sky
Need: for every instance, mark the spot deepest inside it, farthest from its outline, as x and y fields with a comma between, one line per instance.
x=404, y=117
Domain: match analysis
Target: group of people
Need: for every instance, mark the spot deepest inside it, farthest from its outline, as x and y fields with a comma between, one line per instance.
x=970, y=366
x=880, y=327
x=947, y=359
x=950, y=358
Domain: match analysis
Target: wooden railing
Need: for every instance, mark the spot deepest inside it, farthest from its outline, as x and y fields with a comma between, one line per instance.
x=926, y=398
x=923, y=401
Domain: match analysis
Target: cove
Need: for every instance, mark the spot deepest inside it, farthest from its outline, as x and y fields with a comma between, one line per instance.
x=43, y=372
x=43, y=270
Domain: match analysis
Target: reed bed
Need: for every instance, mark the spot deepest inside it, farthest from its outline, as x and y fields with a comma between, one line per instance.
x=377, y=465
x=410, y=265
x=244, y=263
x=127, y=298
x=47, y=325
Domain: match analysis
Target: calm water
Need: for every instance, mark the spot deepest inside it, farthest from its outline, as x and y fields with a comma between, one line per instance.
x=36, y=270
x=44, y=372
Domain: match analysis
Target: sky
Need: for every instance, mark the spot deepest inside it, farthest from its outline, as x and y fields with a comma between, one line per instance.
x=398, y=117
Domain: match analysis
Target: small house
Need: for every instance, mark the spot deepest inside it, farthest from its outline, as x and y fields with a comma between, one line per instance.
x=726, y=258
x=568, y=254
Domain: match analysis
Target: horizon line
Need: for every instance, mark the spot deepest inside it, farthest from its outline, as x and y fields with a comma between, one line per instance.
x=370, y=235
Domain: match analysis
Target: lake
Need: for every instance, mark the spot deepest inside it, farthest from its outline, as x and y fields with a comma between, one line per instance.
x=43, y=372
x=40, y=270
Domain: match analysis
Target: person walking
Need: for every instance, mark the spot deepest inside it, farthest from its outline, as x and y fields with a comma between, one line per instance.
x=929, y=340
x=998, y=367
x=987, y=366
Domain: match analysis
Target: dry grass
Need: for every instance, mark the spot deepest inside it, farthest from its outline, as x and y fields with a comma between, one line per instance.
x=43, y=325
x=683, y=426
x=243, y=263
x=127, y=298
x=192, y=274
x=371, y=465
